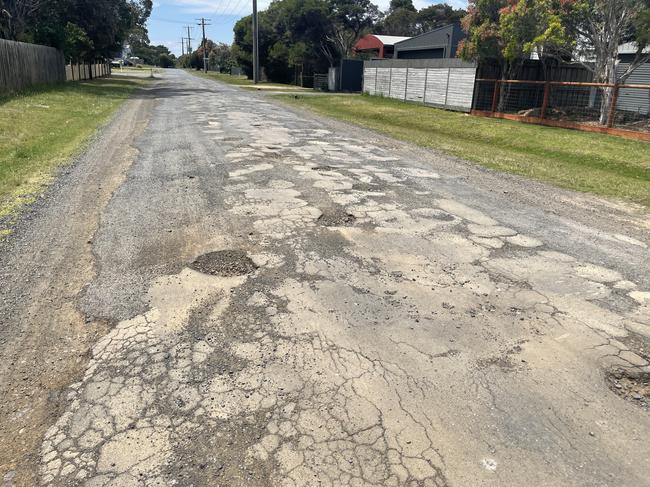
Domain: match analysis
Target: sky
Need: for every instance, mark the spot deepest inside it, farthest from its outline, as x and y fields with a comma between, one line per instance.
x=169, y=18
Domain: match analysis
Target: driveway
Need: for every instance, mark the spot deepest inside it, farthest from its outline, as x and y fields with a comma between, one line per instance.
x=225, y=291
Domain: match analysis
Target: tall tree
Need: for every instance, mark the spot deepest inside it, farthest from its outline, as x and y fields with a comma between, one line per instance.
x=350, y=19
x=105, y=24
x=535, y=26
x=482, y=26
x=437, y=15
x=400, y=20
x=15, y=16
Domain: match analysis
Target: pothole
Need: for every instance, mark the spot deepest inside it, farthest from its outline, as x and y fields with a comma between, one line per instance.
x=632, y=386
x=336, y=217
x=367, y=187
x=323, y=168
x=225, y=263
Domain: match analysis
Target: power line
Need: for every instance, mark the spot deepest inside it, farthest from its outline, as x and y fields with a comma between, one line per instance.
x=239, y=9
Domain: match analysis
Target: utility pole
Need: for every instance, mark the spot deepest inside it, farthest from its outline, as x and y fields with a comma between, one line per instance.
x=189, y=39
x=183, y=46
x=203, y=23
x=256, y=45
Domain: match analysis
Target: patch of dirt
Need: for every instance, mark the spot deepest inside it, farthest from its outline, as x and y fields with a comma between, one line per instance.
x=631, y=386
x=336, y=218
x=225, y=263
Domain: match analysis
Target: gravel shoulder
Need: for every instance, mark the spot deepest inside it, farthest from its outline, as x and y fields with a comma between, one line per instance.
x=45, y=265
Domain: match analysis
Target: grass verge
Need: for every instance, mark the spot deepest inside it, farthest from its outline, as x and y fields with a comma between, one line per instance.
x=43, y=128
x=594, y=163
x=244, y=82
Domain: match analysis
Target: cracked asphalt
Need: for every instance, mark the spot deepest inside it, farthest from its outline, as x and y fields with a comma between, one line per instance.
x=224, y=291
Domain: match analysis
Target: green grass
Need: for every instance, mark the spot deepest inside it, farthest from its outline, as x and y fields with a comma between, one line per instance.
x=600, y=164
x=244, y=82
x=43, y=128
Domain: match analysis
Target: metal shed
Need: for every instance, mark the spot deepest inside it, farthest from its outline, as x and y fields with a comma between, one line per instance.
x=437, y=44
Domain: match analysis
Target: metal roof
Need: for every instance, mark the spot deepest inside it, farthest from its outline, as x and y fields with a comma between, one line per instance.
x=630, y=48
x=390, y=40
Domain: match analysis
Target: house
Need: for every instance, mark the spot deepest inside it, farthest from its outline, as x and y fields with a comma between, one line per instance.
x=377, y=46
x=439, y=43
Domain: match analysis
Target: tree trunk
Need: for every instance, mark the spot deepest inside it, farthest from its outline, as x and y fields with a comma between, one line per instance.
x=607, y=97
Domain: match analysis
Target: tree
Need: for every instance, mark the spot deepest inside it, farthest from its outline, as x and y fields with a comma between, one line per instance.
x=15, y=16
x=166, y=60
x=152, y=55
x=293, y=38
x=437, y=15
x=77, y=43
x=400, y=20
x=534, y=26
x=482, y=26
x=350, y=20
x=600, y=27
x=220, y=57
x=102, y=26
x=585, y=31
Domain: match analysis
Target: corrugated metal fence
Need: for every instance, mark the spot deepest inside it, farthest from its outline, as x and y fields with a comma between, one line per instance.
x=637, y=101
x=446, y=83
x=23, y=65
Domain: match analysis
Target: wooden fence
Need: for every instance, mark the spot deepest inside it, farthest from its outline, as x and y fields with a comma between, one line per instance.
x=76, y=72
x=23, y=65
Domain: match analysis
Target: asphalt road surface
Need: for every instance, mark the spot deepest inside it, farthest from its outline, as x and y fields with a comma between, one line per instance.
x=223, y=291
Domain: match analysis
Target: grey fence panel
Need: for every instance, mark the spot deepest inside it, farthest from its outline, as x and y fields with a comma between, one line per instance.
x=460, y=90
x=398, y=83
x=446, y=83
x=383, y=82
x=23, y=65
x=436, y=93
x=415, y=84
x=369, y=80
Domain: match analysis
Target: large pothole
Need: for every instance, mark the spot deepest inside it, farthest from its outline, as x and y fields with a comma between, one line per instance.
x=336, y=217
x=225, y=263
x=633, y=386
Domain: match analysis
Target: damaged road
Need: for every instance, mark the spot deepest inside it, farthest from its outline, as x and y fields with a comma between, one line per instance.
x=225, y=291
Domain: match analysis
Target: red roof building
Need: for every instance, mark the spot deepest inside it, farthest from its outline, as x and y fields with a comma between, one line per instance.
x=378, y=46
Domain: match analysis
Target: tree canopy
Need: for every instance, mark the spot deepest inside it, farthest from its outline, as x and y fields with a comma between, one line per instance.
x=219, y=54
x=307, y=36
x=403, y=19
x=585, y=31
x=84, y=29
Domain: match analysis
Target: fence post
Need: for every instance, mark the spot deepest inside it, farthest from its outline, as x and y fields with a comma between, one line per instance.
x=406, y=83
x=447, y=86
x=495, y=95
x=612, y=107
x=376, y=75
x=547, y=90
x=424, y=92
x=390, y=80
